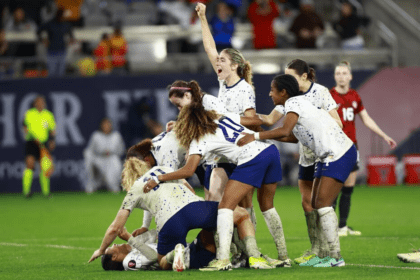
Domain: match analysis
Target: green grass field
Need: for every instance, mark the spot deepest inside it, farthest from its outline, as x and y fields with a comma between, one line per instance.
x=54, y=238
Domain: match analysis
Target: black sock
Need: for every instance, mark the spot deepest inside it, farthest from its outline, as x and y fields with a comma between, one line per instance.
x=344, y=205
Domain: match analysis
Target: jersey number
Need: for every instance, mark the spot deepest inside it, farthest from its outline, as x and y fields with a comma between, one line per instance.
x=348, y=114
x=231, y=130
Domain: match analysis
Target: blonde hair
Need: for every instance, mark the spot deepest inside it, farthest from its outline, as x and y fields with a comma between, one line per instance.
x=134, y=168
x=193, y=123
x=344, y=63
x=244, y=69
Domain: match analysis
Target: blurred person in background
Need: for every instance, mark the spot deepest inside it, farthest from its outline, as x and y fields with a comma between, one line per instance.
x=57, y=30
x=289, y=163
x=261, y=14
x=102, y=55
x=307, y=26
x=119, y=49
x=349, y=105
x=103, y=158
x=348, y=28
x=73, y=11
x=223, y=26
x=39, y=130
x=19, y=22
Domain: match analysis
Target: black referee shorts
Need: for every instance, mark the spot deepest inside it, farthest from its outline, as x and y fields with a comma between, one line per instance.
x=32, y=149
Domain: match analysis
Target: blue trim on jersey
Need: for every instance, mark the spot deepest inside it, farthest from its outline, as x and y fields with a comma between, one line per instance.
x=339, y=169
x=265, y=168
x=309, y=88
x=234, y=84
x=199, y=214
x=306, y=173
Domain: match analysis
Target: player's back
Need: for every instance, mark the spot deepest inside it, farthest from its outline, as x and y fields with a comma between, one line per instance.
x=167, y=150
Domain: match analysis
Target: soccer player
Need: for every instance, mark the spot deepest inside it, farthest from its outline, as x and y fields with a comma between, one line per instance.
x=334, y=152
x=349, y=105
x=204, y=134
x=176, y=208
x=39, y=131
x=320, y=97
x=237, y=94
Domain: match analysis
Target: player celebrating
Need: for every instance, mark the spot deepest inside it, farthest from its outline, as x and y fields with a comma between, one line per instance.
x=349, y=105
x=206, y=134
x=39, y=131
x=236, y=93
x=333, y=150
x=319, y=96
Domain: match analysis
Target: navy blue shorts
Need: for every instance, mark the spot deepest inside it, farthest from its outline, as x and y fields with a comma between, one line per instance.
x=228, y=167
x=306, y=173
x=199, y=255
x=200, y=214
x=201, y=174
x=263, y=169
x=339, y=169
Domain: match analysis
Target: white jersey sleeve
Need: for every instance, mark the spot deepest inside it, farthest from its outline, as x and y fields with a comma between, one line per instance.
x=211, y=102
x=135, y=260
x=164, y=201
x=167, y=150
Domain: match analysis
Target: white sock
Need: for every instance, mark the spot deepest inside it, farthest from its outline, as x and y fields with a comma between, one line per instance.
x=251, y=213
x=272, y=219
x=329, y=225
x=225, y=231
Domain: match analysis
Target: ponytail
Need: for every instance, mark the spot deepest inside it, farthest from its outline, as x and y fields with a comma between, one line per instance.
x=133, y=169
x=244, y=69
x=193, y=123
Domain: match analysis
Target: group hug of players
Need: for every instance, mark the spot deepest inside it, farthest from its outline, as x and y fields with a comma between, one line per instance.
x=220, y=139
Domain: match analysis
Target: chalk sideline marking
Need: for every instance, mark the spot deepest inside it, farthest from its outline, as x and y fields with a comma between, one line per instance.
x=45, y=245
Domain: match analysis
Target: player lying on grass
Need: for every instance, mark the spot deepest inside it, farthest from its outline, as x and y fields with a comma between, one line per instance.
x=140, y=253
x=335, y=155
x=176, y=210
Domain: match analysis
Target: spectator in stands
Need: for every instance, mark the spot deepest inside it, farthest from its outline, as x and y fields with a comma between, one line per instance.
x=56, y=30
x=348, y=27
x=102, y=158
x=223, y=26
x=262, y=14
x=72, y=8
x=5, y=66
x=19, y=22
x=307, y=26
x=102, y=55
x=118, y=51
x=3, y=43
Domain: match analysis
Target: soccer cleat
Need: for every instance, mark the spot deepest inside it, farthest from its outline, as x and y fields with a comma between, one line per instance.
x=410, y=257
x=179, y=263
x=305, y=257
x=239, y=260
x=218, y=265
x=315, y=260
x=344, y=231
x=331, y=262
x=259, y=263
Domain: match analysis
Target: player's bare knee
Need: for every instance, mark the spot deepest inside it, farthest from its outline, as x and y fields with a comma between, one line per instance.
x=239, y=215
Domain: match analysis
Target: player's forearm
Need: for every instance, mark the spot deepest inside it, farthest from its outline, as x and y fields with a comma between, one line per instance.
x=182, y=173
x=275, y=133
x=208, y=41
x=109, y=237
x=371, y=124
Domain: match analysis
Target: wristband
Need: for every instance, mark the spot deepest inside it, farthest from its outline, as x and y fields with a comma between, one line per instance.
x=155, y=178
x=257, y=136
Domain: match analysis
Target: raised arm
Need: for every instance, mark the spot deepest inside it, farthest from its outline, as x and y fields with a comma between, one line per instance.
x=112, y=232
x=284, y=131
x=371, y=124
x=183, y=173
x=208, y=41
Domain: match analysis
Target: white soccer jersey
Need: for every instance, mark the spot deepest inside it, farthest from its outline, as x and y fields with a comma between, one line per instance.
x=135, y=260
x=237, y=98
x=321, y=98
x=223, y=142
x=211, y=102
x=317, y=130
x=164, y=201
x=167, y=151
